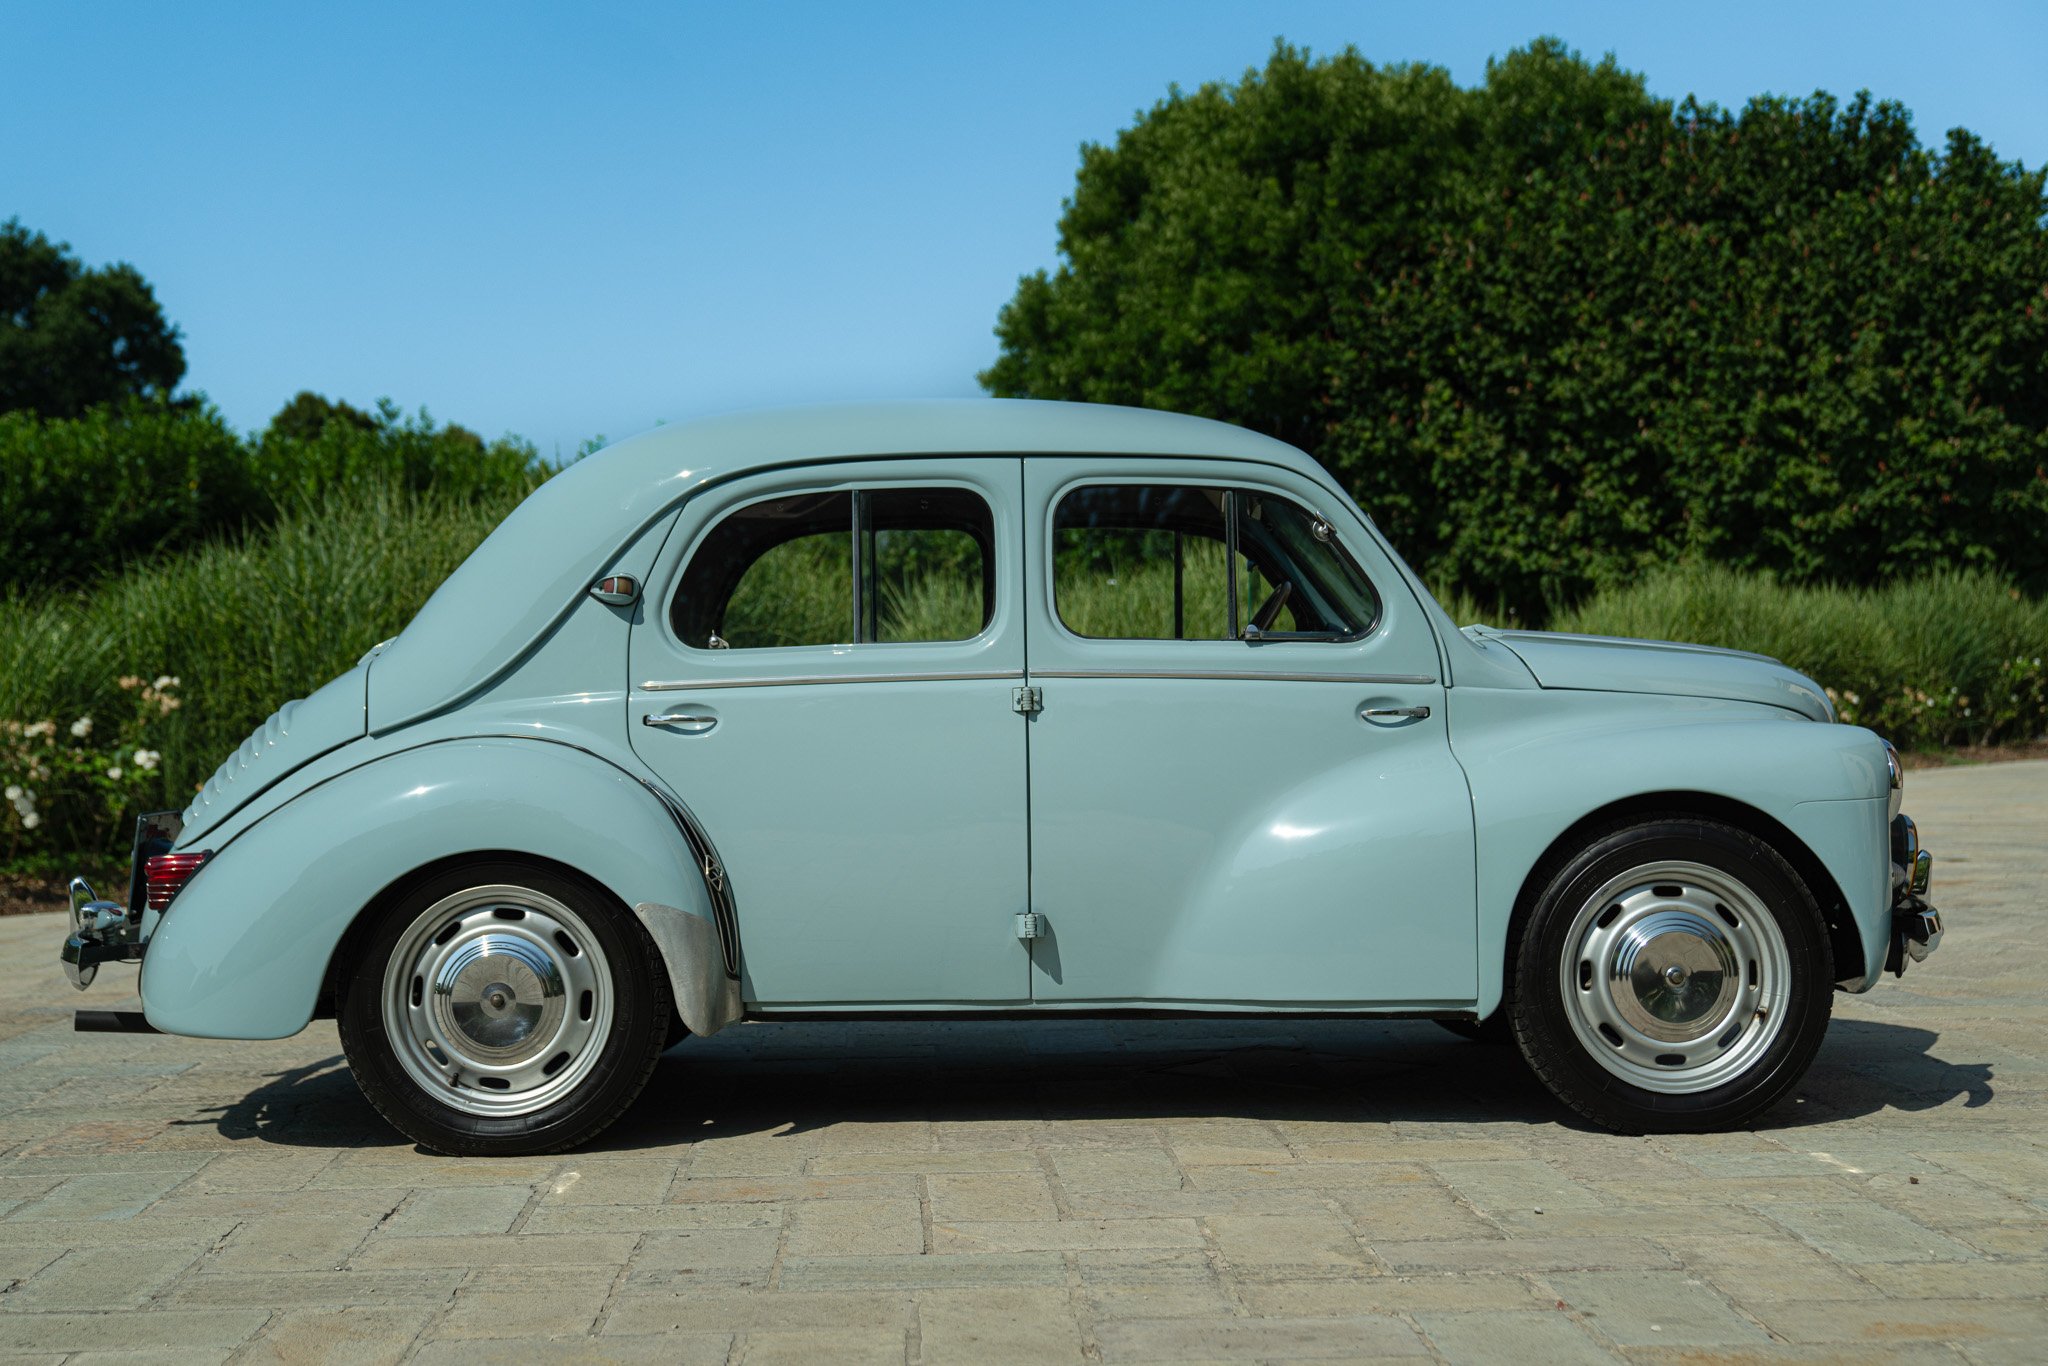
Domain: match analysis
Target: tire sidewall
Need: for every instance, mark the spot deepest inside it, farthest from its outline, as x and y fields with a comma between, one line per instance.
x=1554, y=1048
x=639, y=1023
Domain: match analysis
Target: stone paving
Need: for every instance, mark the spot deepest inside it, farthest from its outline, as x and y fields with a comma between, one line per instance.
x=1143, y=1191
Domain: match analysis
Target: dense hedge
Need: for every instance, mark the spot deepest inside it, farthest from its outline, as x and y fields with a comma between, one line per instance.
x=1949, y=658
x=81, y=498
x=1554, y=331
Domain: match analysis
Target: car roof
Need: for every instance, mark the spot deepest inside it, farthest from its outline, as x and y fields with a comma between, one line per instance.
x=733, y=442
x=535, y=566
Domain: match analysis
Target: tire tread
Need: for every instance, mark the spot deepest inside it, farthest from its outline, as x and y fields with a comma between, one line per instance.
x=1518, y=1006
x=457, y=1144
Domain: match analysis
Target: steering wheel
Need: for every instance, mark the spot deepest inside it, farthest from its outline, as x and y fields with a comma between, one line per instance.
x=1262, y=620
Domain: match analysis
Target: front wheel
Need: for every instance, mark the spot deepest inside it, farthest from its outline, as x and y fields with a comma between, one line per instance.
x=499, y=1009
x=1675, y=974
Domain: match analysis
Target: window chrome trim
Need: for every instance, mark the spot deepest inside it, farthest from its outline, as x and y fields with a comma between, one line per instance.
x=693, y=685
x=1255, y=675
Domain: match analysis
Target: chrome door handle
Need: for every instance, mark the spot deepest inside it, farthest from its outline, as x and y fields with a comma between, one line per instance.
x=688, y=722
x=1392, y=713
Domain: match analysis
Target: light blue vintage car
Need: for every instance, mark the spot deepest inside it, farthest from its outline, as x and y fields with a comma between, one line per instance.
x=1025, y=709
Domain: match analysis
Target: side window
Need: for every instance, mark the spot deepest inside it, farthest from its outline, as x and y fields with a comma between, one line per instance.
x=1183, y=562
x=1294, y=579
x=841, y=568
x=1142, y=562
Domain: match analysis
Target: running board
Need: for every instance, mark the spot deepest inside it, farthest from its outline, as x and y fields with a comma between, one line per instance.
x=112, y=1022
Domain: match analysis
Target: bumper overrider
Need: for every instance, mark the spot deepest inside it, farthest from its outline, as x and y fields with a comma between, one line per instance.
x=1916, y=924
x=111, y=931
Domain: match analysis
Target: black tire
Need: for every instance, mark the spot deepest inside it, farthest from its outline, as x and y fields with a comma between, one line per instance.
x=610, y=1034
x=1494, y=1031
x=1619, y=952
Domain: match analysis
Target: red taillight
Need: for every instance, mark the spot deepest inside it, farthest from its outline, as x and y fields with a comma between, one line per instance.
x=166, y=874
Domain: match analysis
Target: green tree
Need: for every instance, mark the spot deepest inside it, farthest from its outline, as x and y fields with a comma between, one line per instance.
x=71, y=338
x=1553, y=329
x=308, y=414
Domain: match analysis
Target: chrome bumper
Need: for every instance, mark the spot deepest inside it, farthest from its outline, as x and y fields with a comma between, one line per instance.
x=101, y=932
x=1916, y=924
x=110, y=931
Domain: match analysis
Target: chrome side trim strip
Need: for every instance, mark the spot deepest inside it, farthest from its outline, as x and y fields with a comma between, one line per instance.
x=1252, y=675
x=795, y=679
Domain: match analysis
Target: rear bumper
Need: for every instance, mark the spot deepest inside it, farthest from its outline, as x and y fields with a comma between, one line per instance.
x=113, y=931
x=101, y=932
x=1916, y=924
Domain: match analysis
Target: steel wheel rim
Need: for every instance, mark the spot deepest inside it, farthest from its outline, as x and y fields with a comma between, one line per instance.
x=1675, y=977
x=497, y=1000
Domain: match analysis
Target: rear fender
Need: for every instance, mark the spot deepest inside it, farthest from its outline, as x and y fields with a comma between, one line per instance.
x=244, y=950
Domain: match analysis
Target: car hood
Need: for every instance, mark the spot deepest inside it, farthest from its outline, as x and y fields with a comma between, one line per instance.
x=1614, y=664
x=296, y=734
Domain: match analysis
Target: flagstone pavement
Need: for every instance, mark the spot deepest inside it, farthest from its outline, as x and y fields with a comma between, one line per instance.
x=1085, y=1191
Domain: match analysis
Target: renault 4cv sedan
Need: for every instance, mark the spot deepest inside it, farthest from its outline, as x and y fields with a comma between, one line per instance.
x=1025, y=709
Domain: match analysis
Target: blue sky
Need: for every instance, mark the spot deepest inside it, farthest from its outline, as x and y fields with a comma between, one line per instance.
x=568, y=220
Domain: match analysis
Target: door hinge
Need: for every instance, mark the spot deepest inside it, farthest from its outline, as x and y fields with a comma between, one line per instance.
x=1030, y=925
x=1026, y=701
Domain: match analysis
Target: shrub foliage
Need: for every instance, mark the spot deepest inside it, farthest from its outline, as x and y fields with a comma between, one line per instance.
x=1554, y=330
x=1949, y=658
x=80, y=498
x=237, y=628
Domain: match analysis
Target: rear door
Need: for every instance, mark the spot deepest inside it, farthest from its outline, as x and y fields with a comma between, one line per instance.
x=824, y=673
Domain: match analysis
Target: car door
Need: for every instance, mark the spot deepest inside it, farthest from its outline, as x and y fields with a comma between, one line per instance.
x=823, y=670
x=1217, y=820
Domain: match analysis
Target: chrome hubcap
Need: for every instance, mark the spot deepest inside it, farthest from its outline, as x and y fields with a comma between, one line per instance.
x=497, y=1000
x=1675, y=977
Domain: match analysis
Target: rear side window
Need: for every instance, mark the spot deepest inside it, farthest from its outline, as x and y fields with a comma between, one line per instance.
x=1188, y=562
x=849, y=567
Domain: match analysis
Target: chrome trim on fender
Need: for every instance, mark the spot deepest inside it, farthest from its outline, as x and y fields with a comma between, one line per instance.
x=796, y=679
x=709, y=866
x=1251, y=675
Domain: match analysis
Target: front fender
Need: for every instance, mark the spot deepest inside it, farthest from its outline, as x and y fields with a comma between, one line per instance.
x=244, y=950
x=1541, y=761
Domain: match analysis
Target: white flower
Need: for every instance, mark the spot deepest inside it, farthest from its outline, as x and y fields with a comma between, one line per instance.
x=165, y=681
x=115, y=773
x=39, y=728
x=30, y=821
x=81, y=728
x=14, y=792
x=146, y=759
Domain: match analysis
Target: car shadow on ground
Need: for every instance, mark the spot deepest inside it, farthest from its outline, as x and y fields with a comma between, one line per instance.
x=782, y=1079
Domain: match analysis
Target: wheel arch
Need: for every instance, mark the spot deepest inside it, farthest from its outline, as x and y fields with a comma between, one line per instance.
x=1845, y=935
x=346, y=947
x=248, y=949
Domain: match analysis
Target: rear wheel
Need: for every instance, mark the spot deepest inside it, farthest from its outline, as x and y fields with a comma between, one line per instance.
x=1675, y=974
x=499, y=1008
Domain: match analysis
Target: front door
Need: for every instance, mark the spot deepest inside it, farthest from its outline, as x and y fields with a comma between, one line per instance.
x=1242, y=790
x=823, y=670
